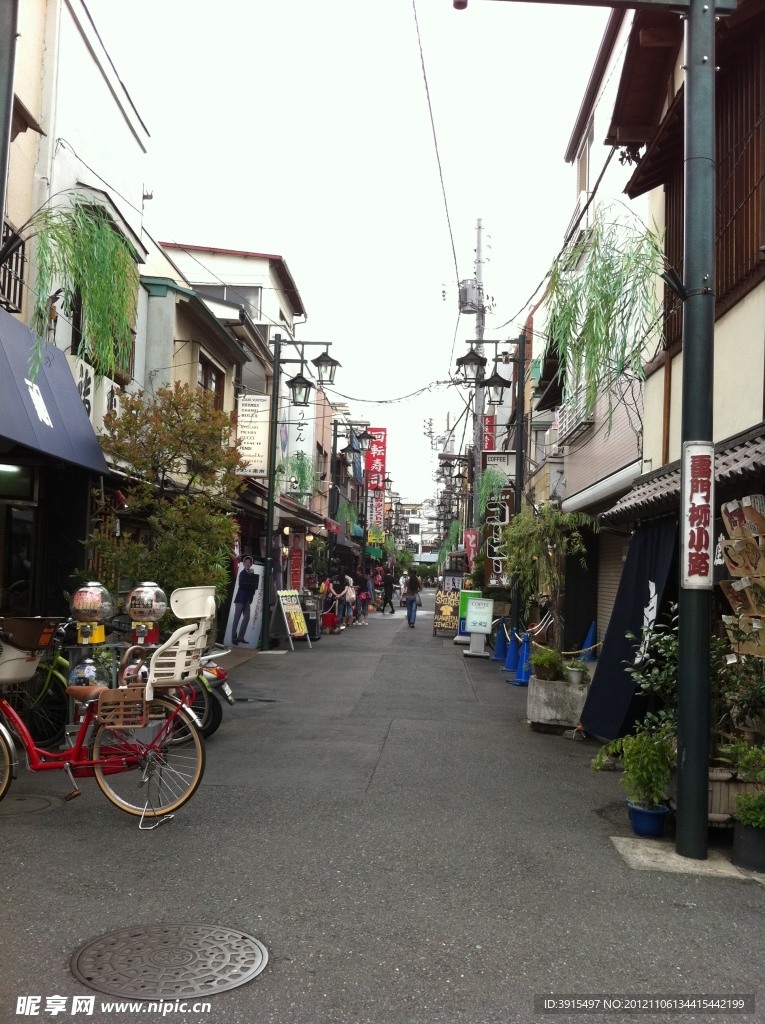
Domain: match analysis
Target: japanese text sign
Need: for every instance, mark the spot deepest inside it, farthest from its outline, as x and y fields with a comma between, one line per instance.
x=375, y=462
x=252, y=433
x=696, y=523
x=489, y=432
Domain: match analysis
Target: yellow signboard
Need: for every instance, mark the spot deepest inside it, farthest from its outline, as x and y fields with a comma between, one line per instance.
x=447, y=612
x=293, y=613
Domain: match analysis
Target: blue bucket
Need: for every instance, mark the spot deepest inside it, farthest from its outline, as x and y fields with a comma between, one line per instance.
x=647, y=822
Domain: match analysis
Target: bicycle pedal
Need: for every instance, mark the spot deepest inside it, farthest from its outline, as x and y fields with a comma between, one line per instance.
x=71, y=796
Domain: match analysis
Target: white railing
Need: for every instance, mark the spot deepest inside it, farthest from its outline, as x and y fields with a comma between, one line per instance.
x=573, y=419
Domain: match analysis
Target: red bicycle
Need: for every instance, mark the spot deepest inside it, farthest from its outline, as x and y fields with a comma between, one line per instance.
x=145, y=751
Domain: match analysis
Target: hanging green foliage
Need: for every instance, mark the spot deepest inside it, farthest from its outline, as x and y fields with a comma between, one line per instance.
x=80, y=252
x=537, y=542
x=603, y=302
x=346, y=513
x=493, y=482
x=295, y=475
x=450, y=541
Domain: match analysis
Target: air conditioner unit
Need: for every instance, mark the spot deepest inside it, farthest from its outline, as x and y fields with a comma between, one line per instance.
x=553, y=450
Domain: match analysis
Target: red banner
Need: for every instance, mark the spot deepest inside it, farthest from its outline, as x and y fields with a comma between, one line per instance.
x=489, y=432
x=471, y=547
x=375, y=468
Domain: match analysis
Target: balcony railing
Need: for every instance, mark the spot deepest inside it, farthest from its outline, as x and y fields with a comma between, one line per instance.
x=573, y=419
x=12, y=273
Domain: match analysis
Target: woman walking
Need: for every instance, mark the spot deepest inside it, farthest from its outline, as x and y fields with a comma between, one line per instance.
x=411, y=593
x=388, y=592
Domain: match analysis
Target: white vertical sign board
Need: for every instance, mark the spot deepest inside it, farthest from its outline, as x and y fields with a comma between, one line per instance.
x=252, y=433
x=697, y=498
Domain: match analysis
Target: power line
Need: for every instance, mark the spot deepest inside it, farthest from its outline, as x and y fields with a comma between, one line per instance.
x=435, y=138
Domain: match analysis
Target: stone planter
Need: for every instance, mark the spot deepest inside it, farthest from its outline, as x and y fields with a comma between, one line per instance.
x=555, y=704
x=724, y=787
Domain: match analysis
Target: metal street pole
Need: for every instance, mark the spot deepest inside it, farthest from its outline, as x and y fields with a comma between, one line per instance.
x=697, y=390
x=9, y=10
x=520, y=445
x=480, y=323
x=272, y=438
x=334, y=497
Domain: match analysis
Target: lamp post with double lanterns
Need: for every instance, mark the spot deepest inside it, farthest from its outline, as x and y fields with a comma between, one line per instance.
x=363, y=438
x=300, y=395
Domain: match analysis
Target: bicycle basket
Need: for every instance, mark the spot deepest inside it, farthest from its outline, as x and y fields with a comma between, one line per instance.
x=125, y=708
x=22, y=641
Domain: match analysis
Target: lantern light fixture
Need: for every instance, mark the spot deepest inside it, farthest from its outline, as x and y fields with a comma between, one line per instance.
x=300, y=389
x=495, y=386
x=471, y=365
x=365, y=439
x=326, y=367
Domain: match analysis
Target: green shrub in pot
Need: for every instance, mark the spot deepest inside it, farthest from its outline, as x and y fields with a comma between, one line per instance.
x=647, y=757
x=546, y=663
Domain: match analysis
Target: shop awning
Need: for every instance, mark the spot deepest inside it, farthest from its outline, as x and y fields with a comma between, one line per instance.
x=374, y=552
x=736, y=458
x=45, y=414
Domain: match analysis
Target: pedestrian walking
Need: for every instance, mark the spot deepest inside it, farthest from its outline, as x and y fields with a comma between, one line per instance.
x=412, y=595
x=401, y=589
x=247, y=584
x=388, y=592
x=350, y=600
x=362, y=585
x=338, y=591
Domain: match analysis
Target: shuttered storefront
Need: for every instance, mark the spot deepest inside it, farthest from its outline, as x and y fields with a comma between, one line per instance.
x=612, y=550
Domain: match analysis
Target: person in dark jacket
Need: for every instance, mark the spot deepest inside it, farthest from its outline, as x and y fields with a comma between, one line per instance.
x=388, y=592
x=247, y=584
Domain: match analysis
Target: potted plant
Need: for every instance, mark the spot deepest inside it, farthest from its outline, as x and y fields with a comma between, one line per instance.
x=647, y=757
x=546, y=663
x=576, y=671
x=749, y=832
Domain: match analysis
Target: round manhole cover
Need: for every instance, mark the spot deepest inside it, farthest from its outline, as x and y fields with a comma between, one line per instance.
x=169, y=961
x=24, y=804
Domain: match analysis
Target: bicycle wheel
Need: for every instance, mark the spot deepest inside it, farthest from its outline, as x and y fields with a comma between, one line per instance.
x=208, y=709
x=42, y=705
x=6, y=765
x=154, y=770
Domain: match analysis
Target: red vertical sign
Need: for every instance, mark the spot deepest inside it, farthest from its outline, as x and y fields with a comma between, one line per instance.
x=375, y=474
x=489, y=433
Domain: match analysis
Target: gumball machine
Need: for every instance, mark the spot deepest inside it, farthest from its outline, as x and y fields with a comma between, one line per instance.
x=91, y=606
x=146, y=605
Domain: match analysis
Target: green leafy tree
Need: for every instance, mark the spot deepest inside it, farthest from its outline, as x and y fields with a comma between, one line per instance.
x=537, y=543
x=176, y=450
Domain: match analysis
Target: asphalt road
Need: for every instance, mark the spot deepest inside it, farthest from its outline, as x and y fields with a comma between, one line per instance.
x=381, y=817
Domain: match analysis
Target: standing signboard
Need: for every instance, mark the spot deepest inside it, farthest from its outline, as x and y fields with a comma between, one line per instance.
x=446, y=614
x=479, y=613
x=463, y=633
x=292, y=615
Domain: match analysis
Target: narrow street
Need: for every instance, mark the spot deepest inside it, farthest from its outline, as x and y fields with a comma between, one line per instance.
x=380, y=816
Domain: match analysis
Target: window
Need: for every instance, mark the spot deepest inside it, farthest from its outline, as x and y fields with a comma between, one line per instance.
x=211, y=378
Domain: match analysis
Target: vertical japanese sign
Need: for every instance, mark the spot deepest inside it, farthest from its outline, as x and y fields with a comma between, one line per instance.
x=696, y=523
x=471, y=547
x=301, y=427
x=296, y=560
x=375, y=469
x=252, y=433
x=497, y=517
x=489, y=432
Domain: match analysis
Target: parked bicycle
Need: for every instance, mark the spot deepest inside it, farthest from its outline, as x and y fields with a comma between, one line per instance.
x=144, y=750
x=42, y=703
x=542, y=632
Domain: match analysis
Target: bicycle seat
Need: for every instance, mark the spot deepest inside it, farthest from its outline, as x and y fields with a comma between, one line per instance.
x=84, y=694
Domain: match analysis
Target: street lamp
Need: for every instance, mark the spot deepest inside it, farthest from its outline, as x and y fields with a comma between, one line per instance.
x=300, y=392
x=471, y=365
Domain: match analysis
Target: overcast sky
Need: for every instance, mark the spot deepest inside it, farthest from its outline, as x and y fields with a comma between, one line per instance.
x=301, y=127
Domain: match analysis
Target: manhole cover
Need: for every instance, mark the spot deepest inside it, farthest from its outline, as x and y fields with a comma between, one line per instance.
x=169, y=960
x=24, y=804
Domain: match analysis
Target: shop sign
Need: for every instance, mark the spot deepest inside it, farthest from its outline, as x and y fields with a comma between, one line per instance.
x=252, y=433
x=497, y=518
x=479, y=615
x=489, y=432
x=446, y=615
x=697, y=521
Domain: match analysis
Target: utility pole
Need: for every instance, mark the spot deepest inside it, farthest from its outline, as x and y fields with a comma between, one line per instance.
x=478, y=397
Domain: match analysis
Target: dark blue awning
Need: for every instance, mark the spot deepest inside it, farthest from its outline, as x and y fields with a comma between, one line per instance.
x=45, y=414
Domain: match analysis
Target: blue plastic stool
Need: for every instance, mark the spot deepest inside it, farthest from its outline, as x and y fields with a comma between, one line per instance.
x=523, y=673
x=500, y=647
x=511, y=662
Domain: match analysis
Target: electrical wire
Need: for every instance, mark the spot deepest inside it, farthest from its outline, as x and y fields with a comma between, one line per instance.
x=435, y=138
